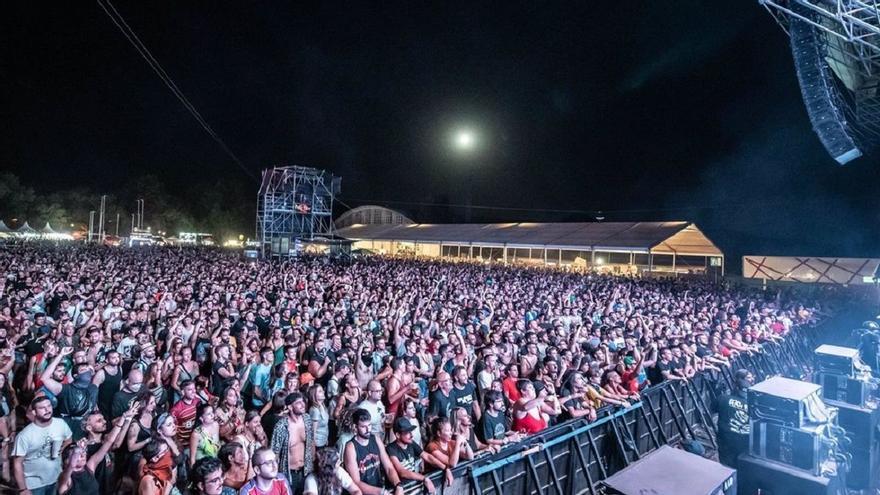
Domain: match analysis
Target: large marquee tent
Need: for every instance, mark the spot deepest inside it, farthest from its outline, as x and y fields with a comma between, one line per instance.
x=645, y=246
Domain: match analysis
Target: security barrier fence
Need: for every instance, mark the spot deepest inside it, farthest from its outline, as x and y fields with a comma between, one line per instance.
x=575, y=456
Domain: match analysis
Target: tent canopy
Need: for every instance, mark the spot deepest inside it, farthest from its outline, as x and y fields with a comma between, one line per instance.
x=26, y=229
x=47, y=229
x=682, y=238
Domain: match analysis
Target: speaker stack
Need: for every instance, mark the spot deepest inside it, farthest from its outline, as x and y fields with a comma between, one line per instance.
x=794, y=444
x=848, y=386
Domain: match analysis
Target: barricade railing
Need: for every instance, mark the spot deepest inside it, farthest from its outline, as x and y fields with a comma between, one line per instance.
x=573, y=457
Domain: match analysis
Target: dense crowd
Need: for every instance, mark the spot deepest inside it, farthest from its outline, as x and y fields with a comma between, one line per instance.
x=162, y=371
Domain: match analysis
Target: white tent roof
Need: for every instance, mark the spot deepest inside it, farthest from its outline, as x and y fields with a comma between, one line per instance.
x=26, y=229
x=682, y=238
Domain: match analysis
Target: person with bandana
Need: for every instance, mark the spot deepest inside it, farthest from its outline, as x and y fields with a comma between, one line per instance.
x=158, y=471
x=76, y=399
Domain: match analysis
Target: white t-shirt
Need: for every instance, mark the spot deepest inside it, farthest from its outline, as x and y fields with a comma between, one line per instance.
x=311, y=484
x=34, y=443
x=377, y=416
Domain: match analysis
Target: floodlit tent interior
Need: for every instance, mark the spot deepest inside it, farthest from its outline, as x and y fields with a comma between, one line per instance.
x=618, y=247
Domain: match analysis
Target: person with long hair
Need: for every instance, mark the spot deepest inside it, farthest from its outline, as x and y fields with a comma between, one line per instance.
x=320, y=416
x=205, y=438
x=463, y=426
x=349, y=397
x=252, y=436
x=157, y=475
x=329, y=478
x=230, y=414
x=166, y=431
x=141, y=431
x=153, y=380
x=236, y=466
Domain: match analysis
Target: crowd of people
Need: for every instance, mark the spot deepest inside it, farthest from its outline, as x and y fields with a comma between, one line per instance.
x=160, y=371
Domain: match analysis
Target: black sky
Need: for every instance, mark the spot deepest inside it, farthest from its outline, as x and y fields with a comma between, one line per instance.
x=645, y=110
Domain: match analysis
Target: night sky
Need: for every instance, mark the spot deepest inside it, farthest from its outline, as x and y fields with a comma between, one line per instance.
x=669, y=110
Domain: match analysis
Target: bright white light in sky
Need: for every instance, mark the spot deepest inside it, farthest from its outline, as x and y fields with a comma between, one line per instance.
x=464, y=139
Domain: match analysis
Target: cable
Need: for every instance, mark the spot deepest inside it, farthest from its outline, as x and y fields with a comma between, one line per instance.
x=132, y=37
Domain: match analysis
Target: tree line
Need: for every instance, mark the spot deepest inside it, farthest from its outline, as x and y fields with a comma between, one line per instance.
x=223, y=208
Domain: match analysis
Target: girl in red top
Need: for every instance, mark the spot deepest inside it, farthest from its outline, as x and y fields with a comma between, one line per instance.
x=509, y=383
x=532, y=412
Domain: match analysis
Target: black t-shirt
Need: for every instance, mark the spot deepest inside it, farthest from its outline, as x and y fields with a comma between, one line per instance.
x=574, y=403
x=493, y=427
x=655, y=373
x=440, y=405
x=465, y=397
x=703, y=351
x=369, y=462
x=409, y=457
x=121, y=402
x=219, y=383
x=103, y=468
x=733, y=415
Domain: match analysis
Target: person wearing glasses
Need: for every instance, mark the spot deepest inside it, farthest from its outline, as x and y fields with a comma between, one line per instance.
x=267, y=480
x=207, y=476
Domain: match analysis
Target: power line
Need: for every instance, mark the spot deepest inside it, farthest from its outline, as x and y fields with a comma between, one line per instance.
x=132, y=37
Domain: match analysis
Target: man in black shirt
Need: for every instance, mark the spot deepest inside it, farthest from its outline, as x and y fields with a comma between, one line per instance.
x=222, y=371
x=406, y=456
x=465, y=393
x=733, y=420
x=665, y=369
x=122, y=399
x=441, y=401
x=366, y=461
x=494, y=427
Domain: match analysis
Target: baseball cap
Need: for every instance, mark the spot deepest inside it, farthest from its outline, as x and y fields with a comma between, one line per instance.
x=402, y=425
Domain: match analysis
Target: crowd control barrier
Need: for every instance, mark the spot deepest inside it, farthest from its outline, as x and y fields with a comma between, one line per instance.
x=573, y=457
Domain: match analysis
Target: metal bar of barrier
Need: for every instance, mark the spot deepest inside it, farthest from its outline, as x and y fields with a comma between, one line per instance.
x=549, y=443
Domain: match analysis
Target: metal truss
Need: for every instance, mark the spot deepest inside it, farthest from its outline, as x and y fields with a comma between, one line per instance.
x=849, y=34
x=294, y=203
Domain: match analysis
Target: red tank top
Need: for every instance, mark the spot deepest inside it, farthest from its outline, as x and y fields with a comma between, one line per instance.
x=529, y=424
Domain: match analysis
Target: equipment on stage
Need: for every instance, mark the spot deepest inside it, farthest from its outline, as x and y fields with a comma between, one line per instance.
x=848, y=386
x=862, y=425
x=673, y=471
x=757, y=475
x=809, y=448
x=791, y=426
x=837, y=360
x=855, y=391
x=788, y=402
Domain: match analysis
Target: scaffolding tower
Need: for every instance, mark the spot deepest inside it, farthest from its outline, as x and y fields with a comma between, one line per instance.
x=842, y=88
x=294, y=205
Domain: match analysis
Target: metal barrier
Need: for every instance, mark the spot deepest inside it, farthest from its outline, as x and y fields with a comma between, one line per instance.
x=573, y=457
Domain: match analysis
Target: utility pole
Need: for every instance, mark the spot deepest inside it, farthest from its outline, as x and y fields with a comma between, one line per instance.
x=91, y=224
x=101, y=219
x=117, y=224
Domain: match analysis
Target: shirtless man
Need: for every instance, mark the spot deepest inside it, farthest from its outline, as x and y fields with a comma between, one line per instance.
x=293, y=442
